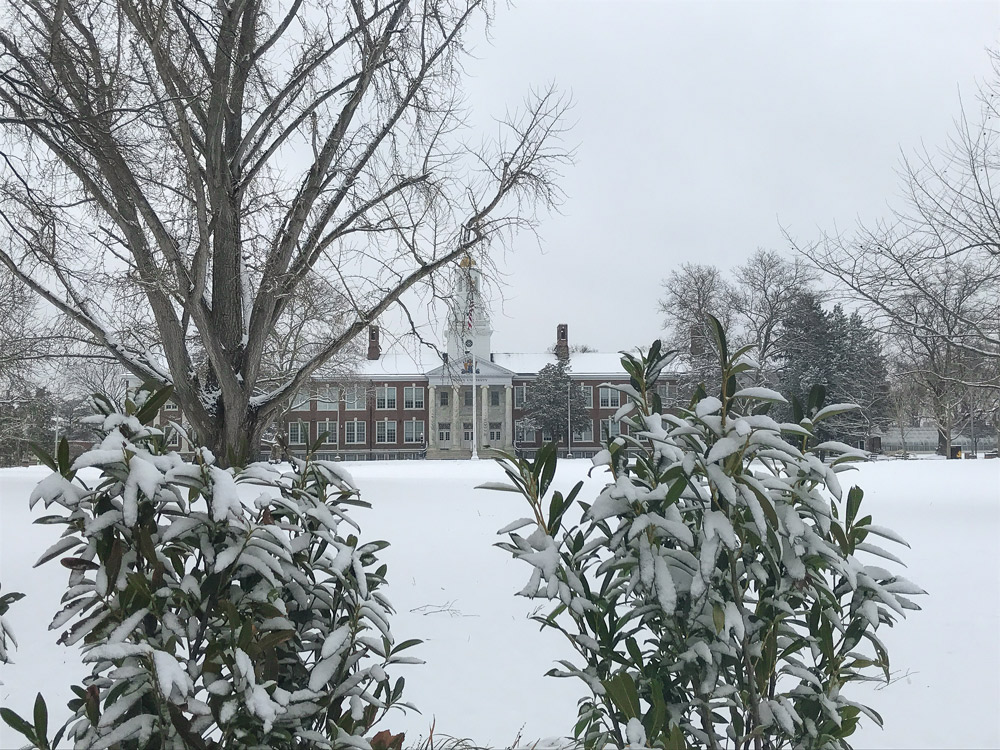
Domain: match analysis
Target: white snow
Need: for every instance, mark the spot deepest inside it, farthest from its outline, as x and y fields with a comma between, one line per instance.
x=485, y=661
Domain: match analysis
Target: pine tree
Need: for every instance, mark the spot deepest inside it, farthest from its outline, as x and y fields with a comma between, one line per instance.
x=548, y=398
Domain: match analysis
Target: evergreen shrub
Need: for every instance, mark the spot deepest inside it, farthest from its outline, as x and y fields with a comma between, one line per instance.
x=208, y=622
x=722, y=591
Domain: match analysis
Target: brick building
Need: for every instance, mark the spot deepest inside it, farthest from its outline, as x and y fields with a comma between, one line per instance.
x=405, y=406
x=431, y=405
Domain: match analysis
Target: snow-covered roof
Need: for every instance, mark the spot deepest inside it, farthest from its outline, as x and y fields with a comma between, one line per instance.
x=400, y=363
x=581, y=363
x=601, y=364
x=424, y=360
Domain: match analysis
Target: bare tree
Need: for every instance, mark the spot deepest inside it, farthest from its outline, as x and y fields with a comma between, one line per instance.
x=936, y=349
x=19, y=342
x=175, y=171
x=950, y=215
x=691, y=294
x=761, y=295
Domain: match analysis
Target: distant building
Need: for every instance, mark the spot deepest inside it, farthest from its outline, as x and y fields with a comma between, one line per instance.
x=401, y=405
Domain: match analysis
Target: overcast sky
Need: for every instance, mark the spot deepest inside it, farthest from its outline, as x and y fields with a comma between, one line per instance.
x=702, y=128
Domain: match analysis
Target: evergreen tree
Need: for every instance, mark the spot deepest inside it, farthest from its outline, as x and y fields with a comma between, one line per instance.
x=839, y=352
x=548, y=399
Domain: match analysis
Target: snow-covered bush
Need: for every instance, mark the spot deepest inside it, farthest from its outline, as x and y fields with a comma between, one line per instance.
x=211, y=622
x=7, y=638
x=722, y=590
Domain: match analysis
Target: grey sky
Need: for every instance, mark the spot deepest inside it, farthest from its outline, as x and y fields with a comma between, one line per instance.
x=703, y=127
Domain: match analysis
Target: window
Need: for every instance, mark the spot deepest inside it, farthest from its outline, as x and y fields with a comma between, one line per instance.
x=468, y=396
x=298, y=433
x=495, y=397
x=609, y=429
x=327, y=398
x=667, y=392
x=354, y=398
x=496, y=434
x=173, y=438
x=413, y=431
x=524, y=434
x=520, y=394
x=170, y=406
x=546, y=435
x=354, y=432
x=610, y=398
x=385, y=431
x=329, y=427
x=586, y=435
x=467, y=430
x=588, y=395
x=385, y=397
x=300, y=401
x=444, y=398
x=444, y=433
x=413, y=397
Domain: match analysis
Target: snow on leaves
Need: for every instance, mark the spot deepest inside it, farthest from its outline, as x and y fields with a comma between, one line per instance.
x=715, y=590
x=206, y=615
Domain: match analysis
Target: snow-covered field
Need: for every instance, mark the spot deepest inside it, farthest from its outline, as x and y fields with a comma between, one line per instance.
x=483, y=679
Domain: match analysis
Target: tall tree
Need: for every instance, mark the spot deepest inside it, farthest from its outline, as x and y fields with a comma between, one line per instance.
x=554, y=402
x=950, y=215
x=691, y=294
x=175, y=171
x=839, y=352
x=941, y=353
x=759, y=299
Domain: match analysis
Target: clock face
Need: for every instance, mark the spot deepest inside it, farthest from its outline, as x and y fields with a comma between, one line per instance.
x=468, y=342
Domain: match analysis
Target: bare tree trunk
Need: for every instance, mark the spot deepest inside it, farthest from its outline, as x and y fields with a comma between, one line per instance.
x=179, y=173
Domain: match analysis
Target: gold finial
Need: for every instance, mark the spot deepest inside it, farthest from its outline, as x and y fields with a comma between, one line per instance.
x=466, y=262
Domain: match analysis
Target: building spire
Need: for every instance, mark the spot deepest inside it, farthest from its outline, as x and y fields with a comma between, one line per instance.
x=468, y=328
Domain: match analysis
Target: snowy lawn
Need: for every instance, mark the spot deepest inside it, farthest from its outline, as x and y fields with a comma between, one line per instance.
x=483, y=679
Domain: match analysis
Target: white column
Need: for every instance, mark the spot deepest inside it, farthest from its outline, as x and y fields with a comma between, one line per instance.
x=485, y=431
x=456, y=426
x=508, y=417
x=432, y=435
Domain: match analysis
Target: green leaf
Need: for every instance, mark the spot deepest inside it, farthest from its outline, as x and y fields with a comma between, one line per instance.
x=500, y=486
x=633, y=650
x=853, y=503
x=41, y=721
x=676, y=739
x=841, y=538
x=407, y=644
x=622, y=691
x=833, y=410
x=658, y=713
x=547, y=470
x=817, y=395
x=718, y=618
x=7, y=599
x=274, y=638
x=18, y=724
x=720, y=337
x=43, y=455
x=63, y=457
x=151, y=408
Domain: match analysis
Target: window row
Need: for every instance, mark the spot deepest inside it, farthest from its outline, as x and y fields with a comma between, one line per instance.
x=386, y=397
x=444, y=433
x=524, y=433
x=444, y=397
x=327, y=398
x=356, y=432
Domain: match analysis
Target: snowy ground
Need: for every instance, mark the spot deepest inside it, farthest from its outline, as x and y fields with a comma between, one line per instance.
x=483, y=678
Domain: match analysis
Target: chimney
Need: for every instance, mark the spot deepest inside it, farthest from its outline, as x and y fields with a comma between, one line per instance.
x=562, y=341
x=374, y=348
